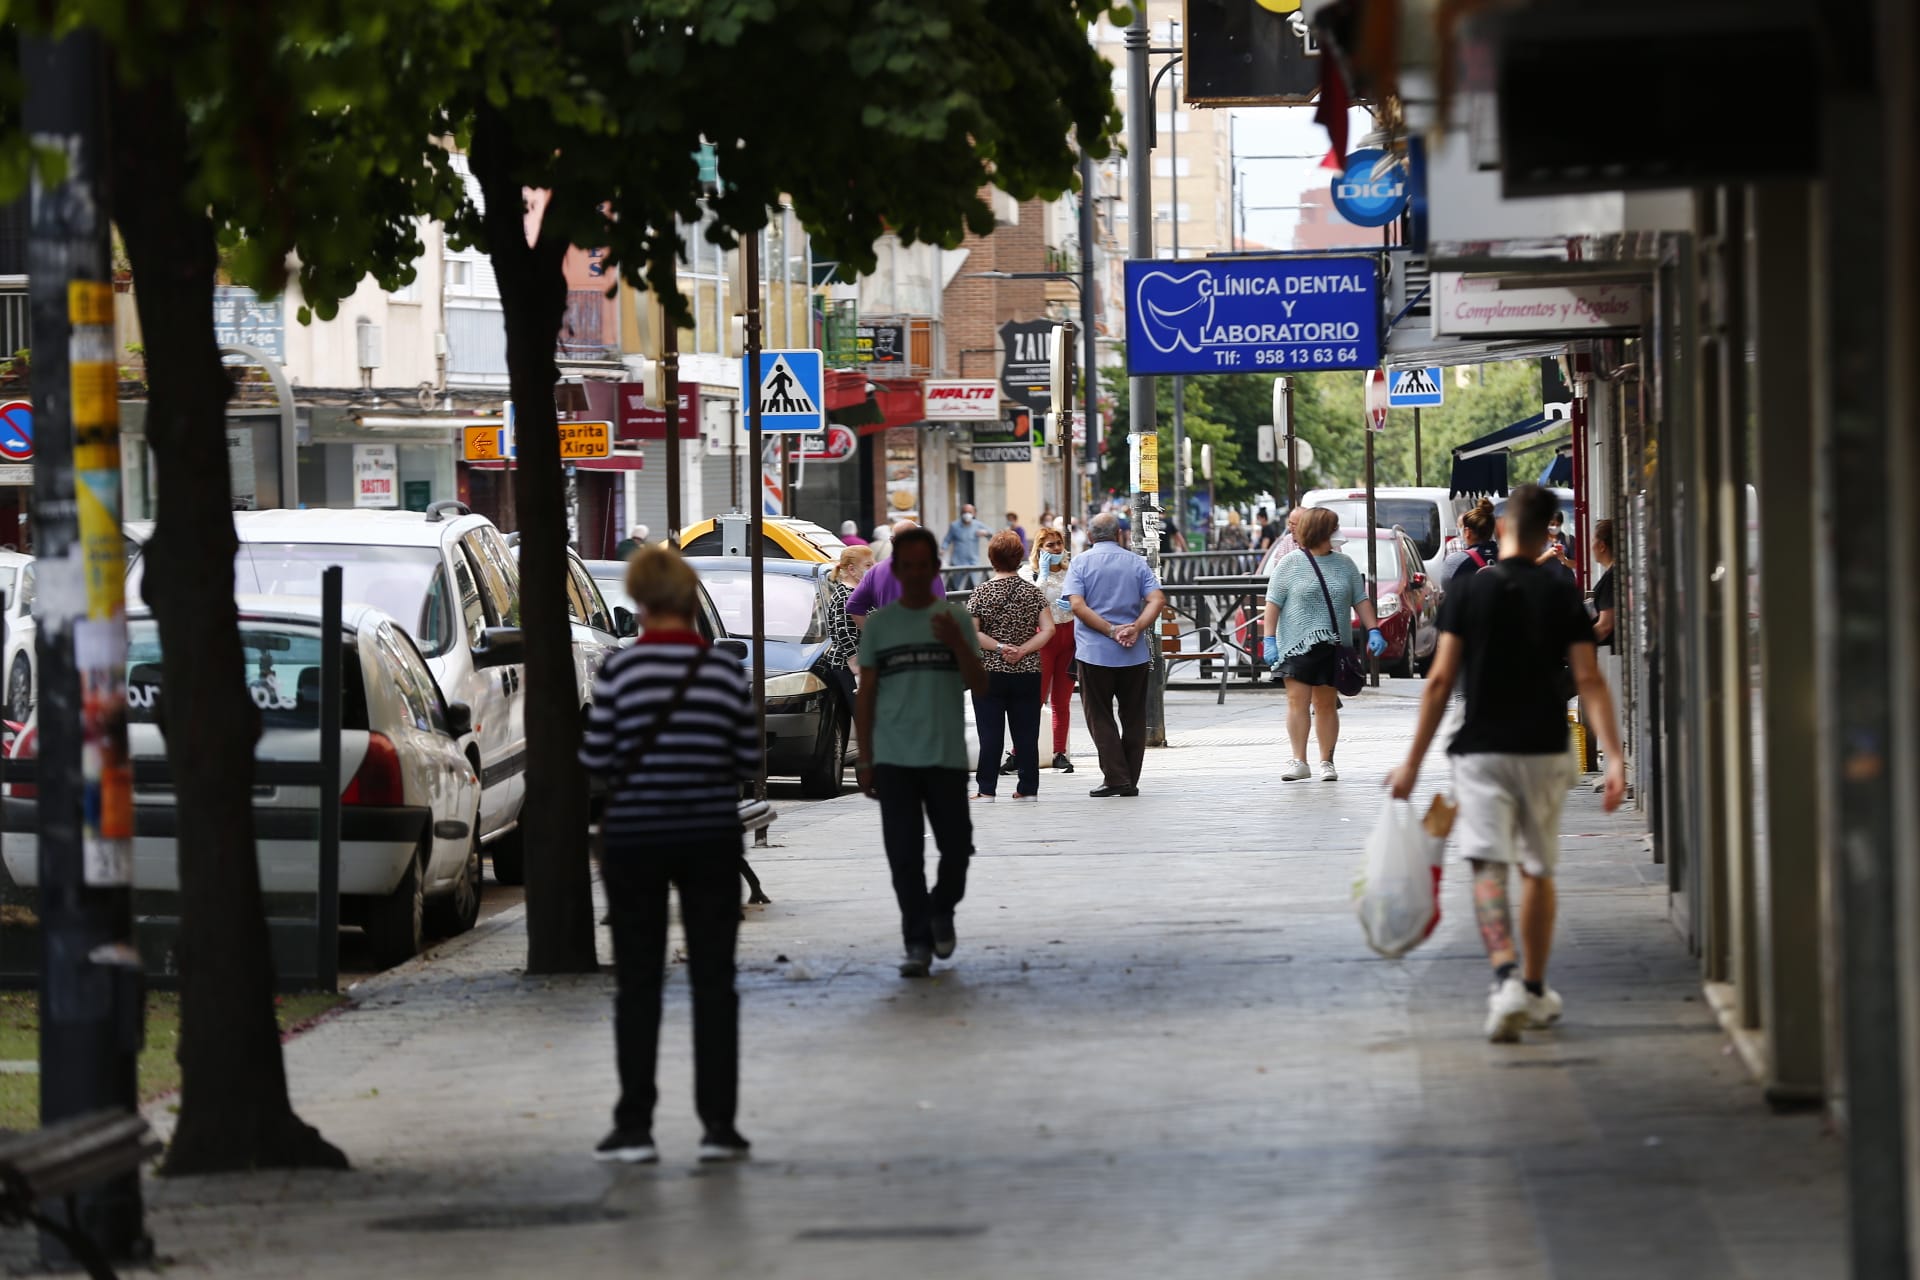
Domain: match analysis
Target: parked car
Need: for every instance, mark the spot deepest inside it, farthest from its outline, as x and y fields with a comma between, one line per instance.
x=808, y=720
x=410, y=796
x=16, y=598
x=595, y=637
x=787, y=538
x=1408, y=606
x=446, y=576
x=611, y=577
x=1430, y=515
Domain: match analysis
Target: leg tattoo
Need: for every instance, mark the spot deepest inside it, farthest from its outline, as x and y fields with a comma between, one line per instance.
x=1494, y=911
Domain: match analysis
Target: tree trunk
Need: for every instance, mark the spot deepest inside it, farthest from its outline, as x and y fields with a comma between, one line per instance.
x=234, y=1110
x=533, y=298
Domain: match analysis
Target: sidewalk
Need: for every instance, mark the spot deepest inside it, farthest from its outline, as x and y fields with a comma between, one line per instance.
x=1162, y=1049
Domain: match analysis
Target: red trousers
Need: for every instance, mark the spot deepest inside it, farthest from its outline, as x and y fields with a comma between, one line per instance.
x=1056, y=685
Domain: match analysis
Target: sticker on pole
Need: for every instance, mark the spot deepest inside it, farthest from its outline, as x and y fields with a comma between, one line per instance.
x=791, y=392
x=1415, y=388
x=1377, y=400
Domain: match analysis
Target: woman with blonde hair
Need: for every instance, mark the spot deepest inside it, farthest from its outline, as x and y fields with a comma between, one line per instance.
x=1311, y=598
x=846, y=575
x=672, y=729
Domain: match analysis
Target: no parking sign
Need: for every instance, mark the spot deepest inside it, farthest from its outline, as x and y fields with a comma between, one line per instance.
x=16, y=430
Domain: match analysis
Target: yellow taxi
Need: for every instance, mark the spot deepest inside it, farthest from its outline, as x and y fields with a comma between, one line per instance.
x=787, y=538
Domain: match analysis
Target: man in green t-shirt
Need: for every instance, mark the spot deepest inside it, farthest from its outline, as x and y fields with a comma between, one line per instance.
x=918, y=658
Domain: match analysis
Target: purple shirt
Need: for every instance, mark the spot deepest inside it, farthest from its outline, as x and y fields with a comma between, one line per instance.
x=880, y=588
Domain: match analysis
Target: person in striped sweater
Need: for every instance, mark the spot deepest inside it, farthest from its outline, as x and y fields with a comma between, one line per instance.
x=672, y=728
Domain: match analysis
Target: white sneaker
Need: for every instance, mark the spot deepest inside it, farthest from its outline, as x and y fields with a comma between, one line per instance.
x=1544, y=1010
x=1508, y=1008
x=1328, y=773
x=1297, y=772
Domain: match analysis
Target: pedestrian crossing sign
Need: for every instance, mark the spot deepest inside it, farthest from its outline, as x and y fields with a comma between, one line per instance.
x=791, y=391
x=1415, y=388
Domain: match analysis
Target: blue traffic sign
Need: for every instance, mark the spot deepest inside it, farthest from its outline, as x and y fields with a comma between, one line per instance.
x=1252, y=315
x=1415, y=388
x=792, y=390
x=16, y=430
x=1367, y=201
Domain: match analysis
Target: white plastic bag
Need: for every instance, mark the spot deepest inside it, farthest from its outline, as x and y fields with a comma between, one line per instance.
x=1395, y=894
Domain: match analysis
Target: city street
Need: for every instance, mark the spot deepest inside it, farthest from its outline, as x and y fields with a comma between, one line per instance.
x=1163, y=1049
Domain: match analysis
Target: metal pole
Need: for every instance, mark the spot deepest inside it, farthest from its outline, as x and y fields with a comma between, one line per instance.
x=1179, y=382
x=1090, y=404
x=733, y=452
x=1373, y=558
x=1293, y=455
x=327, y=915
x=1419, y=477
x=756, y=516
x=1142, y=427
x=670, y=401
x=91, y=1001
x=1063, y=424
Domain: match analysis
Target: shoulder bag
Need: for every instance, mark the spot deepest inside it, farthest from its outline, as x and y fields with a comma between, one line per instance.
x=1349, y=677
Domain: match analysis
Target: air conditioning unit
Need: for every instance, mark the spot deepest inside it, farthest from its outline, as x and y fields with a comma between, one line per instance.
x=367, y=343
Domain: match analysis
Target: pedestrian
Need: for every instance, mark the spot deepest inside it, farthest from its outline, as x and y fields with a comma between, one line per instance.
x=1077, y=536
x=672, y=728
x=1269, y=532
x=1556, y=552
x=882, y=543
x=1510, y=633
x=636, y=538
x=918, y=655
x=961, y=546
x=1116, y=599
x=850, y=534
x=1312, y=594
x=1605, y=616
x=1289, y=541
x=879, y=588
x=1477, y=546
x=1015, y=624
x=1233, y=537
x=1013, y=523
x=842, y=656
x=1048, y=571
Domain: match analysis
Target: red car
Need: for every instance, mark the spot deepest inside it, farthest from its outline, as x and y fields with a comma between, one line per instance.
x=1409, y=611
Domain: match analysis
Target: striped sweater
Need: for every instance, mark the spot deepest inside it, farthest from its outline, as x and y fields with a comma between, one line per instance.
x=689, y=782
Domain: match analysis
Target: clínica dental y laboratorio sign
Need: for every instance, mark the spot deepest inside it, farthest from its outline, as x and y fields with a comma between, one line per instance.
x=1252, y=315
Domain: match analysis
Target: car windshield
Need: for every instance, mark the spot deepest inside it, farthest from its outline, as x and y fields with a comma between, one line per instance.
x=1420, y=517
x=1388, y=555
x=282, y=673
x=792, y=605
x=406, y=582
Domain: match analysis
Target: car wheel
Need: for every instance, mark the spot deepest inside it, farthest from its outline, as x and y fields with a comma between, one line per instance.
x=458, y=911
x=396, y=923
x=20, y=690
x=509, y=855
x=822, y=779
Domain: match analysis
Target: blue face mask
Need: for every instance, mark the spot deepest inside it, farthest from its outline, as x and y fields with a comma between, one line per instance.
x=1049, y=560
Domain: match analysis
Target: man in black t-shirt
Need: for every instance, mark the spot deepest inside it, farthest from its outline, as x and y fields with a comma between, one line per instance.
x=1510, y=632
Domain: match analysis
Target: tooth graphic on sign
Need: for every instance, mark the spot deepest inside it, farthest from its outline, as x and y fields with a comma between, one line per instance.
x=1174, y=313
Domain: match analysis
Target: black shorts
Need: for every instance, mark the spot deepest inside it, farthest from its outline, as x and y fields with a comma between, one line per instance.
x=1314, y=667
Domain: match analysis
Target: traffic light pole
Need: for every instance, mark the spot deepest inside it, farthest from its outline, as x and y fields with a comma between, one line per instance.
x=91, y=997
x=1143, y=428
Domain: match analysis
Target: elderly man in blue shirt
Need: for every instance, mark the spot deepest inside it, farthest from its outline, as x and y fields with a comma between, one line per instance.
x=1115, y=599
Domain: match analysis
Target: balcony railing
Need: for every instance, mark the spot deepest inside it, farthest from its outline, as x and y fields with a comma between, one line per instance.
x=15, y=331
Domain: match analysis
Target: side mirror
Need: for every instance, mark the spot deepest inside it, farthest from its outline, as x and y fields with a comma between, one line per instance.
x=459, y=719
x=738, y=648
x=499, y=647
x=624, y=623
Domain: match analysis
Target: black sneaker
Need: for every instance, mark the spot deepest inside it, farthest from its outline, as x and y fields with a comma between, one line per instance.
x=1063, y=764
x=722, y=1148
x=943, y=936
x=919, y=961
x=627, y=1148
x=1010, y=765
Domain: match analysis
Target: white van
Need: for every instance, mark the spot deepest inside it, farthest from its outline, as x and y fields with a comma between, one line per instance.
x=1429, y=514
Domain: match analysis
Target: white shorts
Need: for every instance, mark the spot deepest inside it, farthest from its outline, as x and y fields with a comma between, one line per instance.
x=1510, y=808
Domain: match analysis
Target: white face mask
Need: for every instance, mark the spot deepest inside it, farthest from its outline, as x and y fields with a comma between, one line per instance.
x=966, y=518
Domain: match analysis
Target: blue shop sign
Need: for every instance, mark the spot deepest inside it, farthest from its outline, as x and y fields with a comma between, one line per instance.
x=1252, y=315
x=1367, y=201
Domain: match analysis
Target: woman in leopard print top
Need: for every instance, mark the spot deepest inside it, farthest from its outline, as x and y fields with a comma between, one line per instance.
x=1014, y=624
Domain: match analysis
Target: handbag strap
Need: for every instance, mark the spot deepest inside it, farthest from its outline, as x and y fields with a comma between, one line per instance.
x=631, y=761
x=1325, y=594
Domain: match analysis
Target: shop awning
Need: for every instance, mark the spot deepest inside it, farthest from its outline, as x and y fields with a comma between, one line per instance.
x=618, y=462
x=883, y=403
x=1480, y=466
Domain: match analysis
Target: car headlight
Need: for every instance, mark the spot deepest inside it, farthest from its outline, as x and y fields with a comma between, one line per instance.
x=1388, y=606
x=795, y=684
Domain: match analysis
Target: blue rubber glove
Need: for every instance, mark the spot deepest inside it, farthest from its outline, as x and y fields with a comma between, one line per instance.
x=1376, y=643
x=1270, y=651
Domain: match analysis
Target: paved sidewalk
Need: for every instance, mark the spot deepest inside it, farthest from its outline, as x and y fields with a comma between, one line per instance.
x=1163, y=1049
